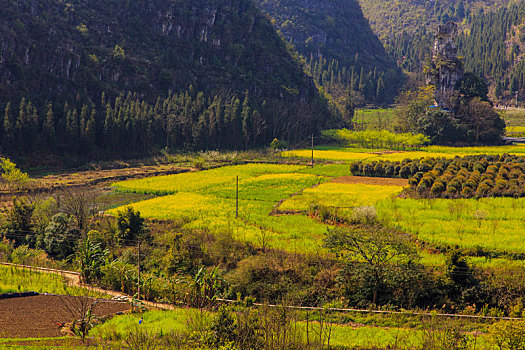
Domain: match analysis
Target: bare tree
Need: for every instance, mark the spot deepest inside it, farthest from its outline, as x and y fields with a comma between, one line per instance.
x=81, y=309
x=79, y=203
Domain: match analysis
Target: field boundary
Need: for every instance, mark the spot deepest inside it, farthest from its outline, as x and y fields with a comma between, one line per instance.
x=74, y=278
x=388, y=312
x=165, y=306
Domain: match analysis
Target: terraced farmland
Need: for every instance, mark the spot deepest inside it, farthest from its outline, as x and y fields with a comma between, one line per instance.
x=206, y=200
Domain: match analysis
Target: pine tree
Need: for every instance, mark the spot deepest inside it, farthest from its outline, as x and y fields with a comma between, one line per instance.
x=48, y=127
x=7, y=126
x=246, y=116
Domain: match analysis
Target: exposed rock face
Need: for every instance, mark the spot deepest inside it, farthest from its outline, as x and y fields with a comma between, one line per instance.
x=51, y=48
x=446, y=69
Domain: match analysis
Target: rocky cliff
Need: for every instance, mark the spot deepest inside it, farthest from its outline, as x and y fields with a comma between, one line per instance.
x=445, y=70
x=52, y=49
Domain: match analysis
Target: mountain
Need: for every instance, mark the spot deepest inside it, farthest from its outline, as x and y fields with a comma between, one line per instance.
x=338, y=45
x=124, y=67
x=405, y=27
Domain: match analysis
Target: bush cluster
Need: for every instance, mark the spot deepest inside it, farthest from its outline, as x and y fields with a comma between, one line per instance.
x=461, y=177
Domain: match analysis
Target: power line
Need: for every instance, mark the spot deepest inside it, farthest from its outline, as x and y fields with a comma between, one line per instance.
x=414, y=313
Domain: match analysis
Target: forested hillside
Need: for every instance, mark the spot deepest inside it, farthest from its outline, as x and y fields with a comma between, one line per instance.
x=339, y=47
x=494, y=47
x=406, y=27
x=128, y=77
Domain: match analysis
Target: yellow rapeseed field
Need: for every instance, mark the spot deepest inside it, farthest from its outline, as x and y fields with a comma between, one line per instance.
x=340, y=195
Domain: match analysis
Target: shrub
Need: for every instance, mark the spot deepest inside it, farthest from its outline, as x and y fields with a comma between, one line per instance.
x=354, y=168
x=368, y=170
x=439, y=186
x=502, y=175
x=364, y=215
x=454, y=186
x=378, y=169
x=405, y=172
x=483, y=189
x=389, y=171
x=414, y=180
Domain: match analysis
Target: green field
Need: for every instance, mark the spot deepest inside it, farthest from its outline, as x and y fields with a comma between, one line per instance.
x=513, y=117
x=350, y=332
x=350, y=154
x=488, y=223
x=340, y=196
x=15, y=280
x=184, y=320
x=515, y=129
x=374, y=119
x=206, y=200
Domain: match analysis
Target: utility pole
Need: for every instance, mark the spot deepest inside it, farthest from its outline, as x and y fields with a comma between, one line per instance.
x=516, y=93
x=237, y=198
x=138, y=287
x=312, y=150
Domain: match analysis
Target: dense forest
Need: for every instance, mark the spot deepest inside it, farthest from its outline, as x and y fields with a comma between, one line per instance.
x=127, y=126
x=92, y=70
x=490, y=41
x=493, y=48
x=406, y=28
x=340, y=49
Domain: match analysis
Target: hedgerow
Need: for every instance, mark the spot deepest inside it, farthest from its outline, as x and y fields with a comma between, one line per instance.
x=461, y=177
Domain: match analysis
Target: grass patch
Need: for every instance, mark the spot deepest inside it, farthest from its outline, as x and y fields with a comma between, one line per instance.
x=378, y=331
x=515, y=129
x=494, y=224
x=194, y=181
x=375, y=119
x=15, y=280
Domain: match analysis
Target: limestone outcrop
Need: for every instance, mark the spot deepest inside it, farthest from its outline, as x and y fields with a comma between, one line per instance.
x=446, y=69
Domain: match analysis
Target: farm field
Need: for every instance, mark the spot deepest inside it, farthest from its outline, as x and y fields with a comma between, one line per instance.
x=515, y=129
x=341, y=195
x=351, y=154
x=513, y=117
x=207, y=200
x=44, y=315
x=358, y=331
x=180, y=320
x=374, y=119
x=492, y=224
x=15, y=280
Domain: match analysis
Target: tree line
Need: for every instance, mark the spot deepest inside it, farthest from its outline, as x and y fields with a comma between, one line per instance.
x=359, y=85
x=128, y=126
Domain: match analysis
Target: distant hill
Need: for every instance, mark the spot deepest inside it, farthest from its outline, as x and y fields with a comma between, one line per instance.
x=404, y=27
x=122, y=68
x=494, y=47
x=339, y=47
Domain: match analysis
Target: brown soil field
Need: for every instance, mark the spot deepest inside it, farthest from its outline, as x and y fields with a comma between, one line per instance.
x=45, y=315
x=383, y=181
x=95, y=177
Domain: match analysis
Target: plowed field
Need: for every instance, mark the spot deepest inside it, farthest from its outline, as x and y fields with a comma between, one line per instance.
x=382, y=181
x=45, y=315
